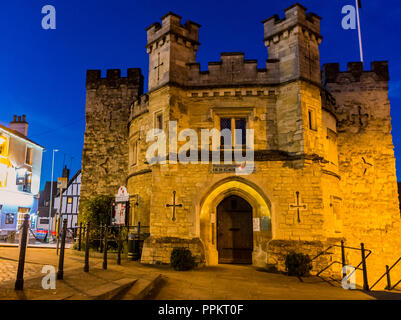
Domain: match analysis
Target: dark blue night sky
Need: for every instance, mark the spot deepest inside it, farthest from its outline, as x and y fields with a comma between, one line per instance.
x=43, y=71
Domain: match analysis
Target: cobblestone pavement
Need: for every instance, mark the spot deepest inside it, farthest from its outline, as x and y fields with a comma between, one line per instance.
x=8, y=270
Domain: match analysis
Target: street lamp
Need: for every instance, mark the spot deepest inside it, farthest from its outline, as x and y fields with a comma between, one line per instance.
x=51, y=197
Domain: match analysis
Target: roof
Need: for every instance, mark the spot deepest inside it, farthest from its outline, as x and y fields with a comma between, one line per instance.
x=20, y=135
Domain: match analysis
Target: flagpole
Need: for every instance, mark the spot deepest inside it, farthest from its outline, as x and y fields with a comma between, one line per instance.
x=359, y=29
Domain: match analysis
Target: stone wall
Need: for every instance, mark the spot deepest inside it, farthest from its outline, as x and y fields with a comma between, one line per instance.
x=369, y=207
x=158, y=250
x=105, y=152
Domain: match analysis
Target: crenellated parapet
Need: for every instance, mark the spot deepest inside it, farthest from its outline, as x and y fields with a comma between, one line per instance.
x=355, y=72
x=139, y=106
x=232, y=69
x=171, y=46
x=294, y=41
x=361, y=95
x=187, y=34
x=295, y=16
x=113, y=79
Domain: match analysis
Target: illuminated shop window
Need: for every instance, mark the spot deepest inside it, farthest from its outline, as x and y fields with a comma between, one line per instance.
x=21, y=214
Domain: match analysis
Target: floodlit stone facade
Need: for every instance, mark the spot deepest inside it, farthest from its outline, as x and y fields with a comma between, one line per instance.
x=323, y=151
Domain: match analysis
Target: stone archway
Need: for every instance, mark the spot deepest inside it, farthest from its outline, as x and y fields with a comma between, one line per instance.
x=261, y=211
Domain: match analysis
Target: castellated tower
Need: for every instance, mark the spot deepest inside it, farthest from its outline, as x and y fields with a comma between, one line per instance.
x=170, y=47
x=370, y=206
x=105, y=153
x=294, y=63
x=294, y=43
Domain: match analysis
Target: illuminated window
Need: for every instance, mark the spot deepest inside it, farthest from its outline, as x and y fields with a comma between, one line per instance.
x=3, y=146
x=3, y=175
x=29, y=156
x=28, y=183
x=236, y=125
x=21, y=176
x=21, y=214
x=9, y=218
x=69, y=200
x=23, y=179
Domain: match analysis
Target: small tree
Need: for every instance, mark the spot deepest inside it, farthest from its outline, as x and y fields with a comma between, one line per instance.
x=97, y=212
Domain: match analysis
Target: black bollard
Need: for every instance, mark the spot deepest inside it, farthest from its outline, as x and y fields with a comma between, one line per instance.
x=364, y=269
x=19, y=283
x=80, y=236
x=60, y=272
x=86, y=266
x=119, y=246
x=105, y=248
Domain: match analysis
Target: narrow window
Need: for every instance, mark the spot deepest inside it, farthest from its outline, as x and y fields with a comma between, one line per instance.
x=159, y=121
x=29, y=156
x=240, y=136
x=312, y=120
x=28, y=182
x=134, y=154
x=225, y=123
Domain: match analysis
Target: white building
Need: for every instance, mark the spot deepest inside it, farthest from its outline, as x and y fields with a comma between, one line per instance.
x=70, y=203
x=20, y=169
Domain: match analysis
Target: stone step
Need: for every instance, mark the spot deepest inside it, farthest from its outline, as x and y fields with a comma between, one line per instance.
x=106, y=291
x=142, y=289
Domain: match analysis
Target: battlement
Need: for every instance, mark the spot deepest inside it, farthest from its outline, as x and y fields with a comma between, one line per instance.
x=139, y=106
x=331, y=72
x=295, y=16
x=232, y=69
x=171, y=24
x=113, y=78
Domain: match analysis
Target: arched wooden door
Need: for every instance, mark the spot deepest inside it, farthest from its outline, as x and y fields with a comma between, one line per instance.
x=234, y=231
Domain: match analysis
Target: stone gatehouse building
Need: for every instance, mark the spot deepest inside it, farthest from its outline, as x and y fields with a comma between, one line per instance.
x=324, y=166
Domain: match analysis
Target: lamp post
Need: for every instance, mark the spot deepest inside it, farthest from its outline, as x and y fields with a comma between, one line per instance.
x=51, y=197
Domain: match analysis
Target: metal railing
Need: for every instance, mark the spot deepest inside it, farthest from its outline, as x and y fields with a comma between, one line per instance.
x=101, y=238
x=387, y=274
x=114, y=233
x=361, y=266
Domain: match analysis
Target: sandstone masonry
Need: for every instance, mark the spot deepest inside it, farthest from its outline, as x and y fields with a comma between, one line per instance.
x=324, y=158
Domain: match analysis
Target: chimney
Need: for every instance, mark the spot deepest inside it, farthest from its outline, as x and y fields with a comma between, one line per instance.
x=66, y=173
x=19, y=125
